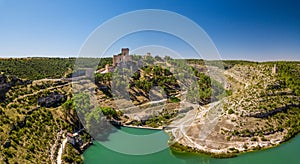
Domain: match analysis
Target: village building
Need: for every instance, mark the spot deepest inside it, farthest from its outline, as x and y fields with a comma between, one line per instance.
x=74, y=139
x=107, y=69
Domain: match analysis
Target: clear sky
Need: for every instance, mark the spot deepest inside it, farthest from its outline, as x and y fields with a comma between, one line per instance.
x=249, y=29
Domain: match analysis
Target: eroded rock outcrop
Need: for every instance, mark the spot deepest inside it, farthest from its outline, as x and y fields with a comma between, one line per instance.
x=52, y=100
x=4, y=87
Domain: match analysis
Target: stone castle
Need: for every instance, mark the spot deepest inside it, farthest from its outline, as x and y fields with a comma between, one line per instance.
x=118, y=59
x=122, y=57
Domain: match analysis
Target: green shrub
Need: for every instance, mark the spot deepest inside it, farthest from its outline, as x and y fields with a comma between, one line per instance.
x=230, y=111
x=253, y=139
x=174, y=99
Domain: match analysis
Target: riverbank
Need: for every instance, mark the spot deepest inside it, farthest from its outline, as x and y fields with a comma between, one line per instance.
x=142, y=127
x=179, y=148
x=206, y=147
x=284, y=153
x=182, y=149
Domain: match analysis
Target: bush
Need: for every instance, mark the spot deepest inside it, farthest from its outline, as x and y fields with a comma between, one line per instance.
x=109, y=112
x=264, y=139
x=174, y=99
x=253, y=139
x=230, y=111
x=31, y=148
x=67, y=159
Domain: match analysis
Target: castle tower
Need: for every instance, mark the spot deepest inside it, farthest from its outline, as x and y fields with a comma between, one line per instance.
x=122, y=57
x=125, y=51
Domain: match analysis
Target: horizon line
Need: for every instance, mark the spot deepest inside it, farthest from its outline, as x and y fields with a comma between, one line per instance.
x=73, y=57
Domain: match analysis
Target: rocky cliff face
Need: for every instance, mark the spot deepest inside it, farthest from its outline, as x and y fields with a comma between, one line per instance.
x=52, y=100
x=4, y=87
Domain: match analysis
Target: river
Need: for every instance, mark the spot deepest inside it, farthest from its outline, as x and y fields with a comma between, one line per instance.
x=287, y=153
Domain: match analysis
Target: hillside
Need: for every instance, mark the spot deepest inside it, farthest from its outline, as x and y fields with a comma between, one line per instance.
x=263, y=111
x=34, y=113
x=204, y=108
x=33, y=121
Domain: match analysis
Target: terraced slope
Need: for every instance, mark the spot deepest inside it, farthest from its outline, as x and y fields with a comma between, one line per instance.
x=263, y=111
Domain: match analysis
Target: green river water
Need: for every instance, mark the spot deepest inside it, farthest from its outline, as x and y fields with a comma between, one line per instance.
x=287, y=153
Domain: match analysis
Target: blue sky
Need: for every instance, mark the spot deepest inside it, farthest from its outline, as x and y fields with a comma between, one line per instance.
x=248, y=29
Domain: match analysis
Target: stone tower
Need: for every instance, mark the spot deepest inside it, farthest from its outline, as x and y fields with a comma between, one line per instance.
x=274, y=69
x=122, y=57
x=124, y=51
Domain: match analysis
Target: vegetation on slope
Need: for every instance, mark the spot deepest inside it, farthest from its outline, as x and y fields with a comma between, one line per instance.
x=270, y=103
x=41, y=68
x=29, y=132
x=36, y=68
x=266, y=109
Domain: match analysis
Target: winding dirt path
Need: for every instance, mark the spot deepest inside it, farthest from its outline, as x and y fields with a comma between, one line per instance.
x=36, y=92
x=60, y=151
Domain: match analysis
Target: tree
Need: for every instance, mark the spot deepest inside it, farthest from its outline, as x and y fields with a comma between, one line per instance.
x=109, y=112
x=67, y=107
